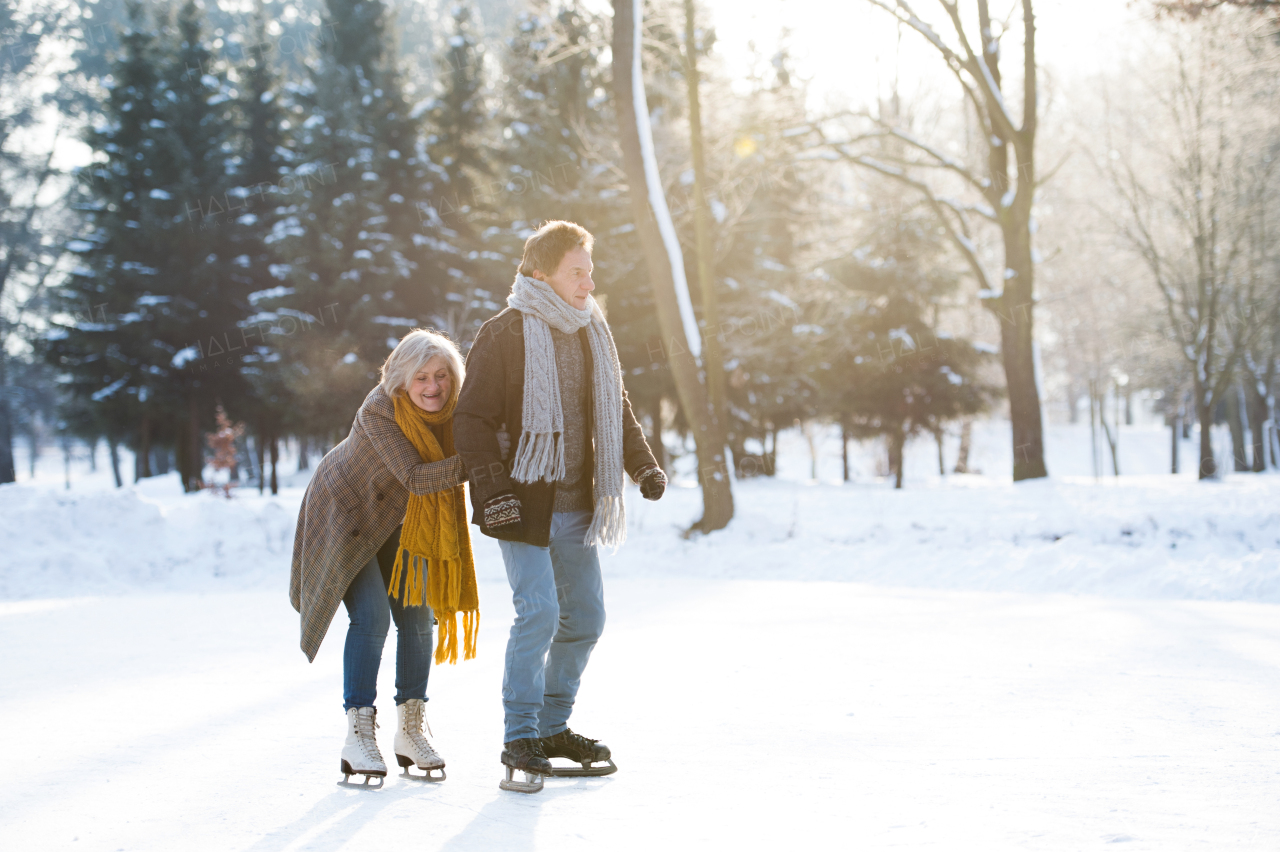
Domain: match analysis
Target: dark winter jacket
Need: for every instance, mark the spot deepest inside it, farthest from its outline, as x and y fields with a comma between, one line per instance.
x=493, y=395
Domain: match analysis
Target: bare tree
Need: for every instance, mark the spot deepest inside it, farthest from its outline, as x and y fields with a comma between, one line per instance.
x=681, y=336
x=1195, y=175
x=1005, y=186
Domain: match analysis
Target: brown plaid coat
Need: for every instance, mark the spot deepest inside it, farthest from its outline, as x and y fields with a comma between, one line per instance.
x=355, y=500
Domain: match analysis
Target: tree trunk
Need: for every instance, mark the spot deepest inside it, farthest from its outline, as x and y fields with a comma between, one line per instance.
x=771, y=455
x=897, y=442
x=1174, y=429
x=811, y=438
x=190, y=459
x=1112, y=440
x=1018, y=355
x=1235, y=421
x=92, y=447
x=1256, y=408
x=665, y=262
x=304, y=463
x=8, y=470
x=113, y=447
x=1015, y=305
x=966, y=441
x=844, y=452
x=942, y=465
x=66, y=462
x=142, y=458
x=1273, y=441
x=275, y=458
x=1093, y=428
x=712, y=356
x=260, y=445
x=1204, y=414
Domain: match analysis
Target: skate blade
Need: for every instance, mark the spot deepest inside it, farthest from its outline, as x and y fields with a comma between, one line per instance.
x=586, y=770
x=367, y=783
x=408, y=765
x=531, y=784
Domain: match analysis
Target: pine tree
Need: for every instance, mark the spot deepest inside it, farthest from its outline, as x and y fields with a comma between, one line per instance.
x=262, y=177
x=151, y=321
x=353, y=243
x=458, y=118
x=462, y=214
x=883, y=365
x=764, y=204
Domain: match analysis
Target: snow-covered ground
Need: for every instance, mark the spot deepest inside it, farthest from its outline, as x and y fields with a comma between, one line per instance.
x=965, y=663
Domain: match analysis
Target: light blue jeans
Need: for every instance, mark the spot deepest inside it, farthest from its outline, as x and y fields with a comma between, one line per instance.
x=559, y=600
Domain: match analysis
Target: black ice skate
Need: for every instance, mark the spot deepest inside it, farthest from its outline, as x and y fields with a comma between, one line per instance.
x=582, y=750
x=525, y=755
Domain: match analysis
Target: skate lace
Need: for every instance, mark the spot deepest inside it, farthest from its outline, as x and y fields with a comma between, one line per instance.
x=579, y=741
x=365, y=726
x=531, y=746
x=414, y=719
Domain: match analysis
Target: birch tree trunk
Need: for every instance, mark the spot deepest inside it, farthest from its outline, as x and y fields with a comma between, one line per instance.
x=681, y=340
x=8, y=472
x=712, y=356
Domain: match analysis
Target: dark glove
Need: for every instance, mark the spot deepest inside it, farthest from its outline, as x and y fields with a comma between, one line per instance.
x=502, y=512
x=652, y=481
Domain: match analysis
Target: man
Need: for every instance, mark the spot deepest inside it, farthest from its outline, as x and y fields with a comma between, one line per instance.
x=547, y=368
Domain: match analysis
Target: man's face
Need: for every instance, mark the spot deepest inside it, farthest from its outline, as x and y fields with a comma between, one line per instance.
x=572, y=280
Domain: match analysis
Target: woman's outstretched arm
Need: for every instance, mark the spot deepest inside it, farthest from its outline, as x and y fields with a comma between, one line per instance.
x=377, y=418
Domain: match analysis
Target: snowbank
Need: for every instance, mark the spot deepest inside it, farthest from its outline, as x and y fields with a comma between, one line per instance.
x=1139, y=536
x=146, y=537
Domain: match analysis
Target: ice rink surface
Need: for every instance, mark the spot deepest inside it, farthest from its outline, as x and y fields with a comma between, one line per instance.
x=964, y=664
x=742, y=715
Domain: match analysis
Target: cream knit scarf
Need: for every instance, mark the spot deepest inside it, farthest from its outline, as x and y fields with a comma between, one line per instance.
x=540, y=454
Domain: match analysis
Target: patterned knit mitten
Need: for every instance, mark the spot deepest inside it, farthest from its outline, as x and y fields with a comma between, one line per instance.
x=652, y=481
x=502, y=511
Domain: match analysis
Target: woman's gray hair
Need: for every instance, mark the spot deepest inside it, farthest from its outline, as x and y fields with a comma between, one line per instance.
x=413, y=351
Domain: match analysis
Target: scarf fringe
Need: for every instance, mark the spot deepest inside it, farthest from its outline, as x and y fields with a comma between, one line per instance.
x=411, y=589
x=447, y=639
x=540, y=455
x=608, y=523
x=541, y=451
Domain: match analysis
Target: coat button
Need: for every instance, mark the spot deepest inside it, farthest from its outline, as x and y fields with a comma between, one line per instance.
x=355, y=533
x=377, y=496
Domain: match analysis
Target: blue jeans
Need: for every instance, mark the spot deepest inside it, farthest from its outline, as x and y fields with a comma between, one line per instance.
x=559, y=600
x=371, y=609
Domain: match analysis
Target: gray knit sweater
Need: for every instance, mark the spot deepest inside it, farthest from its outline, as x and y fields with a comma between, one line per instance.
x=573, y=493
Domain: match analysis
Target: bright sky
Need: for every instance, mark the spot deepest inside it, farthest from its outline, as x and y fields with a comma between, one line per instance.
x=845, y=47
x=849, y=49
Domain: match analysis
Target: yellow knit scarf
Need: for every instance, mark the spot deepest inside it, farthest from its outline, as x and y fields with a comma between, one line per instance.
x=436, y=539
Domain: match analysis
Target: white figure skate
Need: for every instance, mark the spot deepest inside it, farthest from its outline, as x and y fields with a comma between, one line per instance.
x=412, y=748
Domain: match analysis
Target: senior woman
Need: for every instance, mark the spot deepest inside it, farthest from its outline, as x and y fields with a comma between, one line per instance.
x=394, y=485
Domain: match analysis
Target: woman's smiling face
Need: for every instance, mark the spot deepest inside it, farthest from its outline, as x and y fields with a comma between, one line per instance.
x=431, y=385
